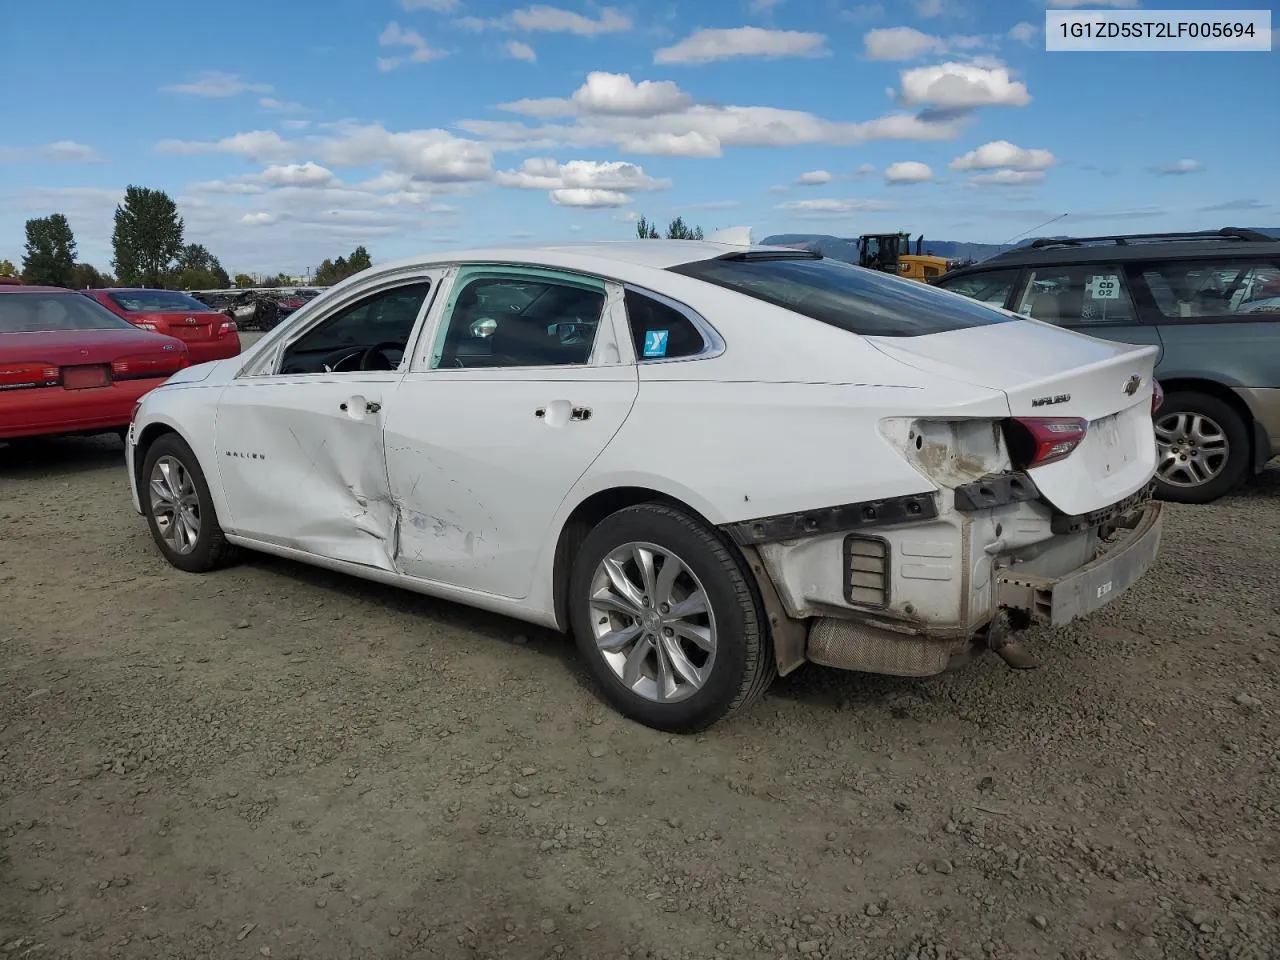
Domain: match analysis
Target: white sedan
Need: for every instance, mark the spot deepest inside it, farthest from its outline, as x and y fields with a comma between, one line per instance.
x=710, y=462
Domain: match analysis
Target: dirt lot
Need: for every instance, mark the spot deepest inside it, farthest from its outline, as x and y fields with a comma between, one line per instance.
x=277, y=762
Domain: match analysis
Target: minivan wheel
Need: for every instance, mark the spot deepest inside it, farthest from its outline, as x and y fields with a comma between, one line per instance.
x=179, y=509
x=667, y=620
x=1202, y=448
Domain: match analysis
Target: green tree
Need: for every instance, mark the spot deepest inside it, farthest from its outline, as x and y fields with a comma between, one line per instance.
x=678, y=230
x=147, y=237
x=359, y=260
x=646, y=230
x=335, y=271
x=7, y=269
x=87, y=277
x=243, y=280
x=198, y=269
x=51, y=252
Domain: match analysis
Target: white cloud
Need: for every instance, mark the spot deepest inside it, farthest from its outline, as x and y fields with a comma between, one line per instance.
x=589, y=197
x=616, y=93
x=281, y=106
x=813, y=178
x=435, y=6
x=257, y=218
x=60, y=151
x=907, y=171
x=900, y=43
x=1124, y=4
x=706, y=46
x=394, y=35
x=864, y=170
x=1006, y=178
x=1178, y=167
x=1002, y=153
x=215, y=83
x=658, y=124
x=429, y=155
x=517, y=50
x=307, y=174
x=544, y=173
x=296, y=124
x=832, y=207
x=233, y=188
x=961, y=86
x=541, y=18
x=1025, y=32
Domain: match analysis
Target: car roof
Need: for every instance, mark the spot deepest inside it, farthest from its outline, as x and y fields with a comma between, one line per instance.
x=7, y=289
x=656, y=254
x=1085, y=252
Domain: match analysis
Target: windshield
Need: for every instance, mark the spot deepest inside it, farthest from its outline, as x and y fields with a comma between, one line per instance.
x=35, y=312
x=862, y=301
x=156, y=301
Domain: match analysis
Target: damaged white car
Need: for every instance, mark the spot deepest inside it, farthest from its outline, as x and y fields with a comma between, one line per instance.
x=710, y=462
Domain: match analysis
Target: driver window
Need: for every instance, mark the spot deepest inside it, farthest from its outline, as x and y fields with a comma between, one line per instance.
x=370, y=334
x=520, y=321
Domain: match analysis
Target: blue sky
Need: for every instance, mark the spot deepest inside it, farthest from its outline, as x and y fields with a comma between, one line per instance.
x=291, y=132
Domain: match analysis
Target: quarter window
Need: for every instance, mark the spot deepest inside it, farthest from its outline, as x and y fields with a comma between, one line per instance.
x=990, y=288
x=660, y=332
x=1071, y=296
x=520, y=320
x=1203, y=289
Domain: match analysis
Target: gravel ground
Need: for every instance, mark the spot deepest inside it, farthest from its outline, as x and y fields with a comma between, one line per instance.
x=274, y=761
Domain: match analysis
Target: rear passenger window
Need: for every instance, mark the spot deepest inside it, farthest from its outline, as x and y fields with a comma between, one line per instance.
x=991, y=288
x=660, y=332
x=1070, y=296
x=1188, y=290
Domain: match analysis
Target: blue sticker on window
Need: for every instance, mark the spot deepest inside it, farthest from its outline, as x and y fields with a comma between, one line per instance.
x=655, y=343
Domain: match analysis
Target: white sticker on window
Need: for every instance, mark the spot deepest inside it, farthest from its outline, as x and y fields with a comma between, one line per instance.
x=1105, y=287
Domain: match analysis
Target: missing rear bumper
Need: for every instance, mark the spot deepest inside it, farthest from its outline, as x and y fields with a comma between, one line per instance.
x=1060, y=600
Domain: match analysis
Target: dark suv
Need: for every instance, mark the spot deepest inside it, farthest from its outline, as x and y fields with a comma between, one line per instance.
x=1210, y=301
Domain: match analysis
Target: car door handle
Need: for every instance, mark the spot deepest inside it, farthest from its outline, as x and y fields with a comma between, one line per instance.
x=371, y=407
x=580, y=413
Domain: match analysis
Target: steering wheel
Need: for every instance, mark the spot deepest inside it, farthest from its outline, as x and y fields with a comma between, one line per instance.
x=375, y=353
x=331, y=361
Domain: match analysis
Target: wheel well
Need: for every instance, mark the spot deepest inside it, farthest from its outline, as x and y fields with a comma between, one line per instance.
x=583, y=519
x=149, y=435
x=1214, y=389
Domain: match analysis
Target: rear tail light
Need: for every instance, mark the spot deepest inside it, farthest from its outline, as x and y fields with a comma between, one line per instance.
x=143, y=365
x=146, y=325
x=137, y=405
x=1036, y=441
x=17, y=376
x=1157, y=395
x=226, y=327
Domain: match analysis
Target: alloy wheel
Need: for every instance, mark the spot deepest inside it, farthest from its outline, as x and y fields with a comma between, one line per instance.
x=1193, y=449
x=652, y=622
x=175, y=504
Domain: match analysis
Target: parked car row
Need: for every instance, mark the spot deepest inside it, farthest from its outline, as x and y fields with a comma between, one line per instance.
x=256, y=309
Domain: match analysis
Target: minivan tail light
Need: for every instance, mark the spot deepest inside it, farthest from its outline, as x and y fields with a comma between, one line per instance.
x=1036, y=441
x=1157, y=395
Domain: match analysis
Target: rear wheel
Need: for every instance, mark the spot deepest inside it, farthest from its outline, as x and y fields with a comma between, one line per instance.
x=667, y=620
x=1203, y=447
x=179, y=509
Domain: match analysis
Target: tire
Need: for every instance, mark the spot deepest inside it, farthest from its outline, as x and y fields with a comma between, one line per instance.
x=209, y=549
x=742, y=665
x=1191, y=428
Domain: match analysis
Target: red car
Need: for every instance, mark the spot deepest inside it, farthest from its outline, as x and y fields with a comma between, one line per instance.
x=69, y=366
x=209, y=335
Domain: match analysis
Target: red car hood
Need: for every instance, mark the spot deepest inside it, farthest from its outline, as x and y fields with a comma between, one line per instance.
x=63, y=348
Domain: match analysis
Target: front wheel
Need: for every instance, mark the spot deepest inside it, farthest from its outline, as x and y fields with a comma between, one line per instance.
x=1202, y=447
x=179, y=509
x=667, y=620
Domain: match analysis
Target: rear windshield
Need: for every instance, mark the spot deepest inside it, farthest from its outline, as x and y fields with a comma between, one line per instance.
x=35, y=312
x=862, y=301
x=156, y=301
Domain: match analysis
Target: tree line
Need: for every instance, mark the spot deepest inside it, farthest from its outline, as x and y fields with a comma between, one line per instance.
x=150, y=250
x=677, y=229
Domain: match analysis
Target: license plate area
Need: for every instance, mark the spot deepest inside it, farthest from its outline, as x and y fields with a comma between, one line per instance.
x=85, y=377
x=190, y=333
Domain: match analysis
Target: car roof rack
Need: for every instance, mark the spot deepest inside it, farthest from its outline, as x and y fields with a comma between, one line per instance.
x=1120, y=240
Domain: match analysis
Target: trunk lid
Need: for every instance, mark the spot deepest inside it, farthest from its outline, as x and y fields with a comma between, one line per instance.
x=1046, y=371
x=189, y=327
x=65, y=348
